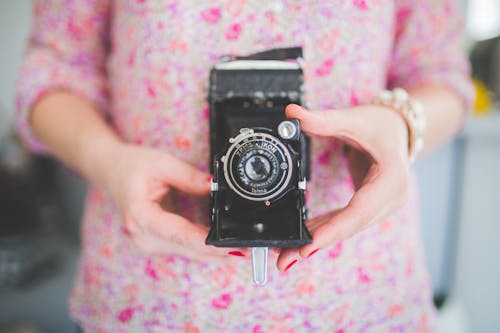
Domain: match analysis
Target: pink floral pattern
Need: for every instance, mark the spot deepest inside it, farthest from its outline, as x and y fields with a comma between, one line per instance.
x=146, y=69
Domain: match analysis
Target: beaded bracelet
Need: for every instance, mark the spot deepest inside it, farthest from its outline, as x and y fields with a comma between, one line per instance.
x=412, y=112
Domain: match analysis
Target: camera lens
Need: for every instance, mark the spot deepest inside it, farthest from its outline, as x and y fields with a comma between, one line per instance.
x=256, y=165
x=257, y=168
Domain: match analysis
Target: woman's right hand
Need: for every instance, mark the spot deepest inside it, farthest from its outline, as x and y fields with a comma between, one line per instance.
x=139, y=180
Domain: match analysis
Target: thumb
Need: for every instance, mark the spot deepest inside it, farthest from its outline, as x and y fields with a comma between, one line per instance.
x=295, y=111
x=185, y=177
x=323, y=123
x=292, y=110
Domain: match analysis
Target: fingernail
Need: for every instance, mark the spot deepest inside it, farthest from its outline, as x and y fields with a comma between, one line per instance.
x=236, y=253
x=290, y=265
x=313, y=252
x=210, y=178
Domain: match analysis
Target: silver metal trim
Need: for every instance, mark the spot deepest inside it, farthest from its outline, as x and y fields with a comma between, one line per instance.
x=214, y=187
x=256, y=64
x=259, y=265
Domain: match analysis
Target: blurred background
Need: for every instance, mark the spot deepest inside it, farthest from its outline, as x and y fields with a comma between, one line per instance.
x=41, y=203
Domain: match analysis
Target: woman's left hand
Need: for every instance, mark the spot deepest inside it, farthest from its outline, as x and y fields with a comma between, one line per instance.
x=378, y=138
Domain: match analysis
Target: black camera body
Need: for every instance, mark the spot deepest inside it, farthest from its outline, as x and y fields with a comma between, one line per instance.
x=259, y=158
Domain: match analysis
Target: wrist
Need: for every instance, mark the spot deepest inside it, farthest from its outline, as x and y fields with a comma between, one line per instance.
x=99, y=158
x=394, y=126
x=411, y=112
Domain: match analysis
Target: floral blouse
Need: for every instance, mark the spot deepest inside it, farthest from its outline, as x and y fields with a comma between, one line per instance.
x=145, y=64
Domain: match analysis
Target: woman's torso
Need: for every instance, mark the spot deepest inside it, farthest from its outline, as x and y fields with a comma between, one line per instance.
x=158, y=69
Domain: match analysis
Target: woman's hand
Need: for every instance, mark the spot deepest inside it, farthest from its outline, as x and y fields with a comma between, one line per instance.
x=378, y=146
x=137, y=178
x=139, y=181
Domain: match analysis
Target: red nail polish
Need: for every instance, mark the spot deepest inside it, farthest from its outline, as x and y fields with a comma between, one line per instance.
x=210, y=178
x=236, y=253
x=313, y=252
x=290, y=265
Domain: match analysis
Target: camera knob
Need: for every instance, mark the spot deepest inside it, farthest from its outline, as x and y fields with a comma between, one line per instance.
x=287, y=130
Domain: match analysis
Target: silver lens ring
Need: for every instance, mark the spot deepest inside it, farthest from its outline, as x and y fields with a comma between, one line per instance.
x=268, y=148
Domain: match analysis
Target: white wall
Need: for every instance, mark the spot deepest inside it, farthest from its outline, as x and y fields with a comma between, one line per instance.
x=437, y=178
x=14, y=27
x=477, y=274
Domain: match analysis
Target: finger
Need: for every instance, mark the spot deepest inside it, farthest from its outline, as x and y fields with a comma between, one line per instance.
x=287, y=259
x=350, y=125
x=383, y=192
x=151, y=244
x=323, y=123
x=185, y=234
x=276, y=250
x=288, y=256
x=314, y=223
x=223, y=251
x=185, y=177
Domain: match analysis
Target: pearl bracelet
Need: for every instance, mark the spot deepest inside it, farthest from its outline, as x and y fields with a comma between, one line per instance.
x=412, y=112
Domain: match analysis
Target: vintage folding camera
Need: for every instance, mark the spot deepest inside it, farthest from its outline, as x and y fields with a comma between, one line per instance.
x=260, y=159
